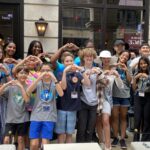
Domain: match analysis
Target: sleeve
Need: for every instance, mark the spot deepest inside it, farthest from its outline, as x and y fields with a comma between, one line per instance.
x=80, y=77
x=59, y=70
x=6, y=91
x=119, y=83
x=77, y=61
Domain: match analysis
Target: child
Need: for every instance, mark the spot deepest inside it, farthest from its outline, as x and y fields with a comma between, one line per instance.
x=121, y=100
x=44, y=115
x=9, y=55
x=70, y=102
x=4, y=77
x=141, y=84
x=16, y=115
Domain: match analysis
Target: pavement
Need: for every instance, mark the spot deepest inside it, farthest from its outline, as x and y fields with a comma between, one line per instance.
x=128, y=141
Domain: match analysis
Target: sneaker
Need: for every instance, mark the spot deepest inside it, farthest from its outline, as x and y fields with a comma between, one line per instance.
x=123, y=144
x=115, y=142
x=107, y=148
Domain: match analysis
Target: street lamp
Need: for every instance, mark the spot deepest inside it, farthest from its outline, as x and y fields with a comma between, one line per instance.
x=41, y=26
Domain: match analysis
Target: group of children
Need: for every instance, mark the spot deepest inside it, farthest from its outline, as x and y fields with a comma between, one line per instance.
x=45, y=94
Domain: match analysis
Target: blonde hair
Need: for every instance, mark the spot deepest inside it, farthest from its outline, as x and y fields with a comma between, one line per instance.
x=87, y=52
x=65, y=54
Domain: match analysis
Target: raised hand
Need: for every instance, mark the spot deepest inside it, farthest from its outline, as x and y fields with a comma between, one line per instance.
x=10, y=60
x=75, y=68
x=3, y=68
x=68, y=68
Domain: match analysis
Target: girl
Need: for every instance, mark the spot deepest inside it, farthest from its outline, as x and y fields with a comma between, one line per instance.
x=44, y=115
x=9, y=55
x=113, y=77
x=141, y=82
x=69, y=104
x=35, y=48
x=121, y=99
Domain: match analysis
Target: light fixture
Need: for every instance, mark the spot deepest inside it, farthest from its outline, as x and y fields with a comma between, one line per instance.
x=41, y=26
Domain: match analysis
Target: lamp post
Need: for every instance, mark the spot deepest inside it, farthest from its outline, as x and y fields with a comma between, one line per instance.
x=41, y=26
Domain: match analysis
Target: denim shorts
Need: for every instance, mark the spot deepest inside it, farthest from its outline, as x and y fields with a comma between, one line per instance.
x=66, y=121
x=41, y=129
x=121, y=102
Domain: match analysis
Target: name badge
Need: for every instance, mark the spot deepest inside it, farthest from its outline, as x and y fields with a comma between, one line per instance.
x=46, y=108
x=141, y=94
x=74, y=94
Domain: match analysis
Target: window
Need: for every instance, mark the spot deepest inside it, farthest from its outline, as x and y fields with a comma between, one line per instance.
x=82, y=1
x=126, y=2
x=76, y=18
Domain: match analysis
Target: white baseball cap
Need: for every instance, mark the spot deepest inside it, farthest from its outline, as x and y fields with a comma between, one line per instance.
x=105, y=54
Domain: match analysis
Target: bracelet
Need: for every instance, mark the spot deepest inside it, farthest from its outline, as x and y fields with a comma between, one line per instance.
x=57, y=82
x=7, y=75
x=83, y=71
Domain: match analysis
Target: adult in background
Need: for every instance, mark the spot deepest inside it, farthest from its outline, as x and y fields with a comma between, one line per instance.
x=143, y=51
x=119, y=46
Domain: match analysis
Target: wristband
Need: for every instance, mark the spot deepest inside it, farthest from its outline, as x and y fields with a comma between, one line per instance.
x=7, y=75
x=57, y=82
x=82, y=71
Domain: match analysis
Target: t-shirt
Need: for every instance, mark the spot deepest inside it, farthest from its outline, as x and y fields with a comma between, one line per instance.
x=122, y=92
x=66, y=102
x=33, y=75
x=142, y=84
x=44, y=108
x=109, y=88
x=16, y=112
x=60, y=67
x=88, y=94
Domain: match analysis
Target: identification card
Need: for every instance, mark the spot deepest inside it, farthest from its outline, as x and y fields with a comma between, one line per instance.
x=74, y=94
x=141, y=94
x=46, y=108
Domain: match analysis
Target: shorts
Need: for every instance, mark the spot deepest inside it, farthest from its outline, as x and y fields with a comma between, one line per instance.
x=41, y=129
x=66, y=121
x=121, y=102
x=20, y=128
x=106, y=108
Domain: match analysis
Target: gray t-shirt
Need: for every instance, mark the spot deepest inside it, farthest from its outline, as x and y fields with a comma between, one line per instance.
x=122, y=92
x=16, y=112
x=88, y=94
x=44, y=108
x=109, y=88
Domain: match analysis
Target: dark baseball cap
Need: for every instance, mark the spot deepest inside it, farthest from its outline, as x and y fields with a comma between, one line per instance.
x=119, y=42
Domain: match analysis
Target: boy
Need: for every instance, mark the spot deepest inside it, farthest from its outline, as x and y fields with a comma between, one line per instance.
x=44, y=114
x=17, y=117
x=69, y=104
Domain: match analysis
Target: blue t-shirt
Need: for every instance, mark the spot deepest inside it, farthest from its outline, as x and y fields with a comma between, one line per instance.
x=60, y=67
x=67, y=103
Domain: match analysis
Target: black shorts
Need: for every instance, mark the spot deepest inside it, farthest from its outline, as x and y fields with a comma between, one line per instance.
x=21, y=129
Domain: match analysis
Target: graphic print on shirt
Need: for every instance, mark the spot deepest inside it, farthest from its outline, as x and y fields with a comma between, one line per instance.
x=17, y=97
x=46, y=95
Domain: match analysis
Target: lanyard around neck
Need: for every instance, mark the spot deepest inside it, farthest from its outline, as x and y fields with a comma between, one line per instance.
x=45, y=87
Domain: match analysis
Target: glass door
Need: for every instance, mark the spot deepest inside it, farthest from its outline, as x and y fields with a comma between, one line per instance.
x=80, y=24
x=10, y=26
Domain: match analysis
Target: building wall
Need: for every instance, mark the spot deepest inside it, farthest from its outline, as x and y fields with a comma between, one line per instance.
x=49, y=10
